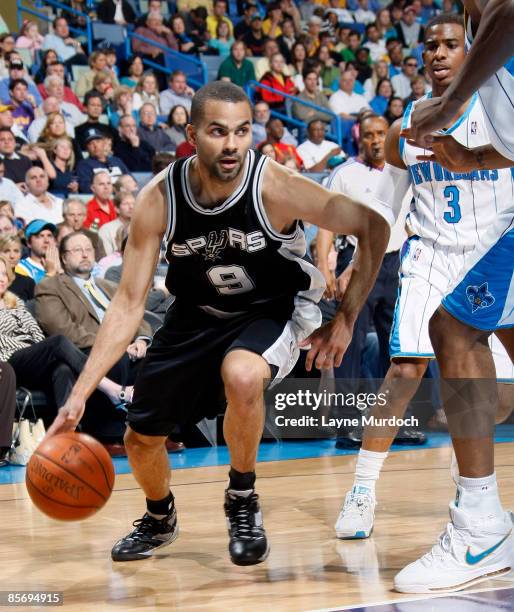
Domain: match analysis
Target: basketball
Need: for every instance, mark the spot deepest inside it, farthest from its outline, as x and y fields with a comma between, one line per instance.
x=70, y=476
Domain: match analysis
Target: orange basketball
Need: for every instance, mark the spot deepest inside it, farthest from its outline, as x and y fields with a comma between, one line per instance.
x=70, y=476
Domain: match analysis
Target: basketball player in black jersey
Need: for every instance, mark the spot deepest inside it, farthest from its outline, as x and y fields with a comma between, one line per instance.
x=246, y=299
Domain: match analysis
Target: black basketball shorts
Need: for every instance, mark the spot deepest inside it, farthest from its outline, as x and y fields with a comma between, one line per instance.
x=180, y=382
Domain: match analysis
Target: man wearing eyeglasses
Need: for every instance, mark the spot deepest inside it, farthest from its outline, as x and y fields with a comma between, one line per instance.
x=402, y=83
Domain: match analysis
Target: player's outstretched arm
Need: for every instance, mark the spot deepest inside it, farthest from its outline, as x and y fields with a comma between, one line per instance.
x=126, y=310
x=492, y=47
x=324, y=241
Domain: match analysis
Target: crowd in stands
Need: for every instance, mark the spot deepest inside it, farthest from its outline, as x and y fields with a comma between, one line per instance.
x=75, y=128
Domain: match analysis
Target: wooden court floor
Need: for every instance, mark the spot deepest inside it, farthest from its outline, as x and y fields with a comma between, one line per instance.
x=308, y=569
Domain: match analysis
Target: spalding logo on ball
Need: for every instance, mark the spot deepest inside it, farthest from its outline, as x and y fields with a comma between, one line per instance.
x=70, y=476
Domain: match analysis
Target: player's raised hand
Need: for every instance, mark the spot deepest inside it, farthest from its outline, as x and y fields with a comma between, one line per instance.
x=68, y=417
x=429, y=116
x=328, y=344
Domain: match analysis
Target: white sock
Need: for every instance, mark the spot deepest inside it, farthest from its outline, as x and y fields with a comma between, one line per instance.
x=367, y=470
x=479, y=497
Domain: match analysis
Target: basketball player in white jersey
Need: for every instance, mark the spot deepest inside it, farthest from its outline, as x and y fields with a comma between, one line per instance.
x=444, y=225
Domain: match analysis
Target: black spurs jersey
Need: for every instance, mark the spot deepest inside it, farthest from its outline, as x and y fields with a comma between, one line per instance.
x=229, y=259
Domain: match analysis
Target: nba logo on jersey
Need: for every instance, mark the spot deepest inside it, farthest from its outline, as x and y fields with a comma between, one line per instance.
x=474, y=127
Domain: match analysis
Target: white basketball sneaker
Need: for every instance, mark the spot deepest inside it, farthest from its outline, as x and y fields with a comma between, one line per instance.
x=355, y=521
x=466, y=554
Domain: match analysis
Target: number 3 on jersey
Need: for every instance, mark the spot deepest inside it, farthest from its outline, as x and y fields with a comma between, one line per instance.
x=230, y=280
x=452, y=194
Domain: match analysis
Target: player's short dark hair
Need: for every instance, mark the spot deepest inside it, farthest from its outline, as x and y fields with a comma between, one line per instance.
x=222, y=91
x=451, y=18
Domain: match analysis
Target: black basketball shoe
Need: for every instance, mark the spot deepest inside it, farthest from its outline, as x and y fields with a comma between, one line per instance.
x=149, y=534
x=248, y=543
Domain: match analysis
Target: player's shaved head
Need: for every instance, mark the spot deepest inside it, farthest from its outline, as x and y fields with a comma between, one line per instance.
x=443, y=19
x=217, y=91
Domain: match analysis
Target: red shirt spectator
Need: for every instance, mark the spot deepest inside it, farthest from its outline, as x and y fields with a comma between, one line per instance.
x=277, y=79
x=100, y=209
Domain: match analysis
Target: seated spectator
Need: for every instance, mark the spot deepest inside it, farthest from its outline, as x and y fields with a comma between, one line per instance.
x=24, y=108
x=395, y=57
x=219, y=14
x=375, y=43
x=223, y=41
x=47, y=57
x=124, y=205
x=57, y=69
x=103, y=87
x=329, y=70
x=243, y=26
x=345, y=102
x=99, y=159
x=150, y=132
x=298, y=59
x=116, y=11
x=11, y=249
x=15, y=164
x=121, y=104
x=311, y=94
x=178, y=92
x=126, y=183
x=38, y=203
x=362, y=64
x=177, y=121
x=43, y=258
x=51, y=124
x=54, y=86
x=7, y=226
x=255, y=39
x=380, y=70
x=154, y=6
x=402, y=83
x=312, y=38
x=286, y=154
x=74, y=213
x=7, y=208
x=7, y=43
x=187, y=43
x=384, y=24
x=263, y=66
x=112, y=61
x=17, y=71
x=30, y=38
x=68, y=49
x=271, y=24
x=342, y=13
x=409, y=31
x=63, y=179
x=236, y=68
x=418, y=90
x=287, y=39
x=94, y=110
x=267, y=149
x=155, y=31
x=162, y=160
x=196, y=24
x=364, y=14
x=147, y=91
x=100, y=209
x=278, y=80
x=134, y=71
x=316, y=152
x=97, y=64
x=135, y=152
x=381, y=100
x=8, y=189
x=395, y=109
x=7, y=120
x=261, y=116
x=354, y=43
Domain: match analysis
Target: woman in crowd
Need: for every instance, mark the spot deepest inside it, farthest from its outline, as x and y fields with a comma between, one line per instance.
x=267, y=149
x=380, y=71
x=385, y=25
x=97, y=65
x=7, y=42
x=30, y=38
x=55, y=127
x=185, y=43
x=394, y=110
x=298, y=59
x=177, y=121
x=62, y=178
x=134, y=69
x=384, y=93
x=48, y=57
x=103, y=86
x=53, y=363
x=278, y=80
x=147, y=90
x=11, y=248
x=329, y=69
x=121, y=104
x=418, y=86
x=223, y=40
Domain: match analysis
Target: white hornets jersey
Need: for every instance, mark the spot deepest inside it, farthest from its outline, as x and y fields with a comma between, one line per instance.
x=449, y=208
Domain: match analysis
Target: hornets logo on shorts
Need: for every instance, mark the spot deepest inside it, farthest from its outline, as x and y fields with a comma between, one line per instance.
x=479, y=297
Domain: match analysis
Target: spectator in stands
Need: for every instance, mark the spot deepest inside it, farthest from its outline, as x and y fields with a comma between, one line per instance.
x=316, y=152
x=219, y=11
x=395, y=109
x=312, y=94
x=100, y=209
x=343, y=14
x=223, y=40
x=126, y=183
x=380, y=71
x=345, y=102
x=7, y=227
x=124, y=205
x=11, y=249
x=122, y=104
x=162, y=161
x=236, y=68
x=134, y=71
x=17, y=71
x=178, y=92
x=267, y=149
x=375, y=43
x=102, y=86
x=68, y=49
x=364, y=14
x=279, y=81
x=57, y=69
x=54, y=86
x=15, y=164
x=402, y=83
x=152, y=133
x=362, y=64
x=112, y=61
x=313, y=34
x=8, y=189
x=24, y=108
x=271, y=24
x=98, y=146
x=286, y=154
x=298, y=58
x=409, y=31
x=395, y=55
x=147, y=90
x=177, y=121
x=43, y=259
x=429, y=10
x=154, y=6
x=94, y=110
x=74, y=213
x=354, y=42
x=384, y=93
x=97, y=64
x=156, y=31
x=187, y=43
x=7, y=43
x=384, y=24
x=119, y=12
x=329, y=71
x=419, y=89
x=287, y=39
x=7, y=120
x=38, y=203
x=261, y=116
x=63, y=179
x=131, y=148
x=48, y=57
x=255, y=39
x=7, y=208
x=263, y=65
x=243, y=26
x=49, y=124
x=30, y=38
